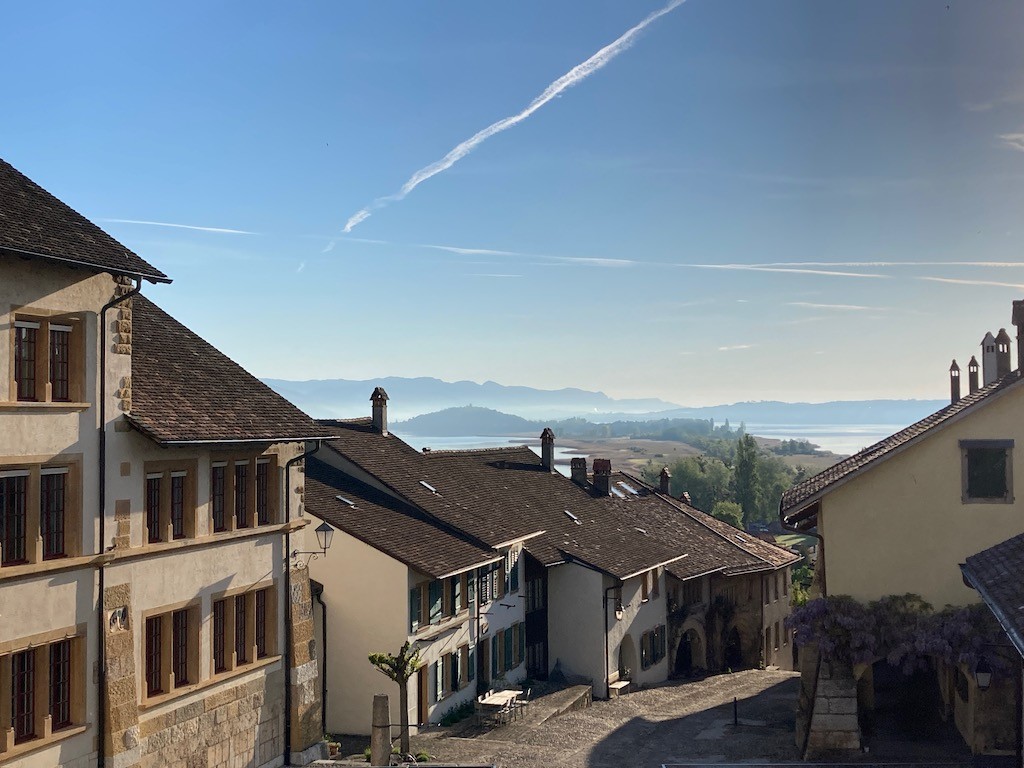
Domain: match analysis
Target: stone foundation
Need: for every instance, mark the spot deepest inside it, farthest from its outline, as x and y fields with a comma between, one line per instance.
x=833, y=720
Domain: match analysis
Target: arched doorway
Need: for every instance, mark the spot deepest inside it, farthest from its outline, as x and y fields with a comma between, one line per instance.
x=733, y=649
x=689, y=654
x=627, y=658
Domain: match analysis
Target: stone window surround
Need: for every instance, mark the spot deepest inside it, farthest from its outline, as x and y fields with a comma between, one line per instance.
x=76, y=362
x=41, y=642
x=167, y=468
x=72, y=508
x=169, y=686
x=965, y=447
x=228, y=461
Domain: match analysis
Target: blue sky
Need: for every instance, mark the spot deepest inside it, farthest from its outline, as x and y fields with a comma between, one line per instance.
x=785, y=200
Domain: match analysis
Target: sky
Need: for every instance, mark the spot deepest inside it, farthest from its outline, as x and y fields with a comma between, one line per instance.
x=705, y=201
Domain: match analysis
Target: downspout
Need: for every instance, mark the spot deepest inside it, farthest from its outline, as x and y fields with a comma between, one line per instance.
x=288, y=598
x=101, y=720
x=607, y=653
x=319, y=595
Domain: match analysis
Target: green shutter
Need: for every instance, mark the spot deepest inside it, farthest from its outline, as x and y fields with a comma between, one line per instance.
x=435, y=599
x=509, y=645
x=471, y=666
x=456, y=594
x=522, y=641
x=414, y=609
x=439, y=679
x=494, y=657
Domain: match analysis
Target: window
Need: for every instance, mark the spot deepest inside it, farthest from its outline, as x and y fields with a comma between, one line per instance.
x=512, y=569
x=438, y=670
x=775, y=635
x=60, y=684
x=454, y=671
x=535, y=595
x=415, y=609
x=465, y=665
x=23, y=671
x=774, y=579
x=652, y=647
x=243, y=493
x=785, y=583
x=986, y=471
x=471, y=663
x=38, y=513
x=171, y=650
x=244, y=628
x=46, y=360
x=509, y=648
x=435, y=599
x=170, y=501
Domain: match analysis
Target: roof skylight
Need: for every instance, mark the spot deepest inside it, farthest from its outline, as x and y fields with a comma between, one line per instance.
x=343, y=500
x=629, y=488
x=573, y=517
x=428, y=486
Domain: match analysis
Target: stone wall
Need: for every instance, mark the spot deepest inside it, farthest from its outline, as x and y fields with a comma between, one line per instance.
x=833, y=722
x=121, y=738
x=235, y=727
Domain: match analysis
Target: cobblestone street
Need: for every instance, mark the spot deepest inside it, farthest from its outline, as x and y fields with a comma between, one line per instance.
x=682, y=722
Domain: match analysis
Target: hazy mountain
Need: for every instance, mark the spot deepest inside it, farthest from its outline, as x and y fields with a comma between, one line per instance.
x=466, y=420
x=345, y=398
x=899, y=412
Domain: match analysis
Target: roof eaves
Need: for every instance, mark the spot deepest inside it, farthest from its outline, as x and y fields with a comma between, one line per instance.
x=155, y=276
x=997, y=610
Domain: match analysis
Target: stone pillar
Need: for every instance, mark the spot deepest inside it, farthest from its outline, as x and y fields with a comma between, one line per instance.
x=306, y=725
x=380, y=731
x=833, y=720
x=121, y=742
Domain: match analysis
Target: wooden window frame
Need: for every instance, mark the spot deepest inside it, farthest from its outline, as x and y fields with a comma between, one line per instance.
x=44, y=369
x=966, y=448
x=164, y=656
x=234, y=639
x=38, y=529
x=160, y=479
x=249, y=494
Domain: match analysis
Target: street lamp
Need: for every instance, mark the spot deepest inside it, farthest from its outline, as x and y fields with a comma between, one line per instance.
x=324, y=536
x=983, y=675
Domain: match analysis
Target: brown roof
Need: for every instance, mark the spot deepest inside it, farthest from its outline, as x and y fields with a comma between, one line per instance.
x=802, y=494
x=996, y=574
x=35, y=223
x=185, y=391
x=385, y=523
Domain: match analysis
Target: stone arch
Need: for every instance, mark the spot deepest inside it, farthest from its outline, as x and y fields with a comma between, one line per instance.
x=690, y=653
x=733, y=651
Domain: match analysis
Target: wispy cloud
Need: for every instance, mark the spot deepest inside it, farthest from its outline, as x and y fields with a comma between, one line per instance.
x=466, y=251
x=1013, y=140
x=218, y=230
x=959, y=281
x=840, y=307
x=302, y=266
x=876, y=264
x=488, y=274
x=573, y=77
x=735, y=347
x=757, y=268
x=595, y=262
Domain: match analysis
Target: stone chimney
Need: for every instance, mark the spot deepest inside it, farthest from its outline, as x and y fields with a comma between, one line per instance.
x=664, y=481
x=603, y=477
x=547, y=449
x=1018, y=321
x=578, y=471
x=972, y=374
x=988, y=359
x=379, y=398
x=685, y=498
x=954, y=382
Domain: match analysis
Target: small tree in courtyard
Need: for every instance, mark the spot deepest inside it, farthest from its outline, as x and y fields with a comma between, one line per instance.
x=400, y=668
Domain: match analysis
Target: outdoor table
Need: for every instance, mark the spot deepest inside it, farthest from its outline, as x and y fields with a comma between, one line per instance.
x=500, y=700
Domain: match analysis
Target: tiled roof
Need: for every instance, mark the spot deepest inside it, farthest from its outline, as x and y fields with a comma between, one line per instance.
x=184, y=390
x=499, y=495
x=387, y=524
x=996, y=574
x=35, y=223
x=801, y=494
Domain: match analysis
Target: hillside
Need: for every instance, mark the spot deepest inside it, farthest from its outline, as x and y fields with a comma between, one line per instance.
x=467, y=420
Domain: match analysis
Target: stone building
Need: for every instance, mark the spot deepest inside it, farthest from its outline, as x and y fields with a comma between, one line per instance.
x=149, y=491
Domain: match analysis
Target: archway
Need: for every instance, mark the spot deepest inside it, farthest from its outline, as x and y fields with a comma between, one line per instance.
x=689, y=654
x=627, y=658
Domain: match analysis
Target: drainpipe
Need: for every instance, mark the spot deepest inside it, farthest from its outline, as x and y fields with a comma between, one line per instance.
x=101, y=720
x=607, y=654
x=319, y=595
x=288, y=607
x=821, y=545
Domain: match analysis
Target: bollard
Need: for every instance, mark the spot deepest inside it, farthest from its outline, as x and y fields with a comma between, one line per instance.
x=735, y=712
x=380, y=731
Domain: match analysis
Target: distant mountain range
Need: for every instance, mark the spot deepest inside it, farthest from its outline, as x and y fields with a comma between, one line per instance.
x=344, y=398
x=410, y=397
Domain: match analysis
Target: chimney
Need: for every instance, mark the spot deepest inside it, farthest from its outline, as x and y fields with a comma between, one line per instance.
x=379, y=398
x=664, y=480
x=547, y=449
x=954, y=382
x=1018, y=321
x=603, y=477
x=685, y=498
x=972, y=374
x=1002, y=353
x=988, y=359
x=578, y=471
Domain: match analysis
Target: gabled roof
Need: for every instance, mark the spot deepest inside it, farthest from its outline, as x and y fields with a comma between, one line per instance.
x=385, y=523
x=804, y=494
x=996, y=574
x=186, y=391
x=34, y=223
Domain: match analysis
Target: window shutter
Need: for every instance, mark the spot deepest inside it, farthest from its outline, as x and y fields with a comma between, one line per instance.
x=456, y=594
x=439, y=679
x=522, y=641
x=514, y=572
x=455, y=662
x=508, y=649
x=494, y=657
x=471, y=584
x=471, y=663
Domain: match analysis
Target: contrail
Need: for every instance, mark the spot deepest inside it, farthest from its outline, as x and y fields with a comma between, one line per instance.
x=575, y=75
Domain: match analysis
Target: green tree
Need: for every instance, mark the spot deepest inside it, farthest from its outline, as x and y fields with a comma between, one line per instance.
x=400, y=668
x=728, y=512
x=745, y=480
x=705, y=479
